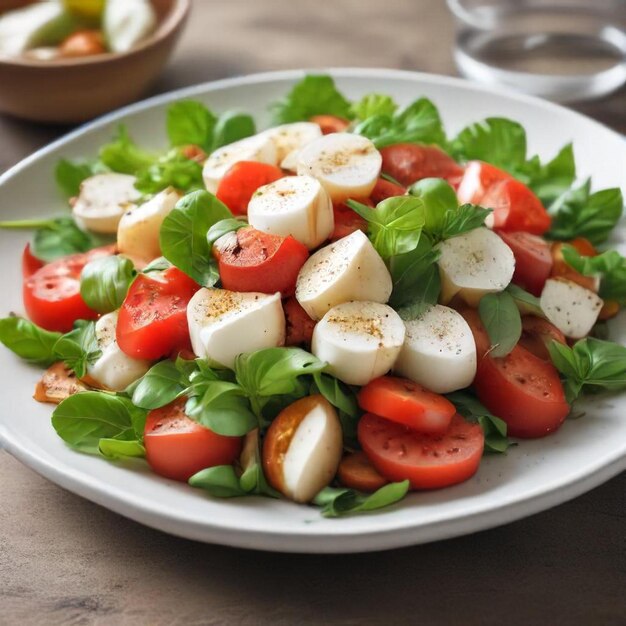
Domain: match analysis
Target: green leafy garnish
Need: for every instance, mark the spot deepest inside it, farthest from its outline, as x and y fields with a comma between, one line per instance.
x=502, y=321
x=190, y=123
x=69, y=175
x=104, y=282
x=373, y=104
x=170, y=170
x=28, y=341
x=220, y=482
x=123, y=155
x=120, y=449
x=232, y=126
x=79, y=348
x=223, y=227
x=162, y=384
x=527, y=304
x=549, y=181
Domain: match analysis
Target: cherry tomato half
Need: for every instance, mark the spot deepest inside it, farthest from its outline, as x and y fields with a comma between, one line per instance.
x=384, y=189
x=537, y=334
x=478, y=177
x=347, y=221
x=330, y=123
x=427, y=461
x=30, y=263
x=356, y=472
x=152, y=321
x=177, y=447
x=251, y=260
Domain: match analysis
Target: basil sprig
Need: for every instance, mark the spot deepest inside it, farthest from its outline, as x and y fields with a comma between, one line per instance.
x=31, y=343
x=104, y=282
x=502, y=321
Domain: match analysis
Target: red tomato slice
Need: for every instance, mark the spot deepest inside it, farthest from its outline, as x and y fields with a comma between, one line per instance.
x=477, y=179
x=405, y=402
x=242, y=180
x=427, y=461
x=250, y=260
x=30, y=263
x=562, y=269
x=347, y=221
x=177, y=447
x=152, y=321
x=356, y=472
x=52, y=294
x=537, y=334
x=516, y=207
x=481, y=338
x=384, y=189
x=533, y=260
x=330, y=123
x=409, y=162
x=524, y=391
x=299, y=325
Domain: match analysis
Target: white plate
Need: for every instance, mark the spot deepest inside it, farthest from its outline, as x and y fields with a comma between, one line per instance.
x=531, y=477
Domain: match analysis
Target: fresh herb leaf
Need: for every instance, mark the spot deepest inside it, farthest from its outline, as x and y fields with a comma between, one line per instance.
x=104, y=282
x=592, y=364
x=120, y=449
x=158, y=265
x=502, y=321
x=83, y=419
x=190, y=122
x=549, y=181
x=313, y=95
x=123, y=155
x=527, y=304
x=252, y=479
x=373, y=104
x=466, y=218
x=337, y=502
x=171, y=170
x=28, y=341
x=337, y=393
x=395, y=225
x=69, y=175
x=580, y=213
x=494, y=428
x=439, y=198
x=79, y=348
x=162, y=384
x=183, y=235
x=220, y=481
x=232, y=126
x=223, y=227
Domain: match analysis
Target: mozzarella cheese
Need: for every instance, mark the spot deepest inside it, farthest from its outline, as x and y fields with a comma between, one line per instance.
x=102, y=201
x=474, y=264
x=360, y=341
x=114, y=370
x=127, y=22
x=296, y=206
x=259, y=148
x=571, y=308
x=347, y=165
x=139, y=227
x=289, y=138
x=224, y=324
x=348, y=269
x=439, y=351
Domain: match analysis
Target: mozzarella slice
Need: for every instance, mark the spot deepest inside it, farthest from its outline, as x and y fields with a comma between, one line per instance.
x=114, y=370
x=290, y=162
x=127, y=22
x=224, y=324
x=474, y=264
x=348, y=269
x=571, y=308
x=102, y=201
x=291, y=137
x=360, y=341
x=138, y=230
x=256, y=148
x=296, y=206
x=347, y=165
x=439, y=351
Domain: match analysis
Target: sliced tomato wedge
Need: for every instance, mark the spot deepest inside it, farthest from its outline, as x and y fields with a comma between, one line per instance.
x=384, y=189
x=152, y=321
x=356, y=472
x=347, y=221
x=478, y=177
x=427, y=461
x=330, y=123
x=30, y=263
x=405, y=402
x=177, y=447
x=299, y=325
x=409, y=162
x=251, y=260
x=52, y=294
x=524, y=391
x=481, y=338
x=537, y=334
x=242, y=180
x=533, y=260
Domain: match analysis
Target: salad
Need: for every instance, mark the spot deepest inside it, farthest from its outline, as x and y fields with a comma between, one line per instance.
x=336, y=310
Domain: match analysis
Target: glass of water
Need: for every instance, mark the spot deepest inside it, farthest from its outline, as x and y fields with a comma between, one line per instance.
x=563, y=50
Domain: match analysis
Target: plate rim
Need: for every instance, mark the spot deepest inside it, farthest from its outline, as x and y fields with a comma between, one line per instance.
x=328, y=542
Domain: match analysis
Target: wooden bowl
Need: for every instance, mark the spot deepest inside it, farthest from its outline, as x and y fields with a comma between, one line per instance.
x=74, y=90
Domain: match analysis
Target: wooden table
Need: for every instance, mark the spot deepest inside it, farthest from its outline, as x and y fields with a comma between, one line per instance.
x=64, y=560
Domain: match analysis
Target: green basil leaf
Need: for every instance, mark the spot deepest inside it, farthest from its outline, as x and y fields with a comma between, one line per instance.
x=253, y=480
x=223, y=227
x=220, y=481
x=79, y=348
x=462, y=220
x=526, y=303
x=580, y=213
x=232, y=126
x=502, y=321
x=104, y=282
x=373, y=104
x=183, y=235
x=337, y=393
x=83, y=419
x=171, y=170
x=69, y=175
x=439, y=198
x=28, y=341
x=158, y=265
x=338, y=502
x=554, y=178
x=395, y=225
x=494, y=428
x=123, y=155
x=313, y=95
x=190, y=122
x=120, y=449
x=162, y=384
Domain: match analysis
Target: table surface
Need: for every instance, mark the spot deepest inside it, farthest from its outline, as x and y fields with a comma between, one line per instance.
x=64, y=560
